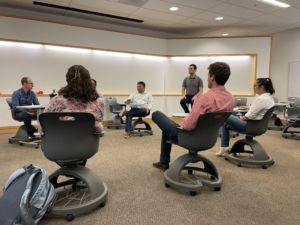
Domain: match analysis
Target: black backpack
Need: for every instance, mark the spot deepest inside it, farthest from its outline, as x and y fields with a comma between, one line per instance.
x=27, y=196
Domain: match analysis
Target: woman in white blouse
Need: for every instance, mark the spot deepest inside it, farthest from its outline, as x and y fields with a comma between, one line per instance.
x=263, y=87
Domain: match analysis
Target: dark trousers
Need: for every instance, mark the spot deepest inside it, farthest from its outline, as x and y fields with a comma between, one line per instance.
x=169, y=132
x=185, y=101
x=26, y=118
x=134, y=112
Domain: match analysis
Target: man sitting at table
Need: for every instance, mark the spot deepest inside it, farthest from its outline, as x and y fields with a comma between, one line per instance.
x=25, y=96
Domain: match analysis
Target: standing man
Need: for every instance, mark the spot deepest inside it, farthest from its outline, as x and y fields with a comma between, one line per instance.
x=191, y=86
x=25, y=96
x=140, y=103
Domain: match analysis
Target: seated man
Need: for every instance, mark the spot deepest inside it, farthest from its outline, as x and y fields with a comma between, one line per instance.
x=25, y=96
x=140, y=103
x=216, y=99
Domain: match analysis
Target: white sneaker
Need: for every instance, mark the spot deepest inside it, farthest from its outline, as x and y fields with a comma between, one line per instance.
x=222, y=151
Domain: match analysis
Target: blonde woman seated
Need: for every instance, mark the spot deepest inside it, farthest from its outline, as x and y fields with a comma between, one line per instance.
x=79, y=95
x=263, y=87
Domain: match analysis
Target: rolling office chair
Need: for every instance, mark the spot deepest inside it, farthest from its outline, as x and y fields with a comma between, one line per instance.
x=69, y=139
x=202, y=138
x=257, y=156
x=293, y=122
x=116, y=109
x=21, y=136
x=141, y=131
x=275, y=122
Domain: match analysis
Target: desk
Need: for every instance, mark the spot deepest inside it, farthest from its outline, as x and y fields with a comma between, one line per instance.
x=39, y=108
x=178, y=117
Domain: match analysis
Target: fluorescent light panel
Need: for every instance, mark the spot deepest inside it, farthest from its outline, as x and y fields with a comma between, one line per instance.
x=233, y=57
x=67, y=49
x=275, y=3
x=19, y=44
x=174, y=8
x=110, y=53
x=189, y=58
x=149, y=57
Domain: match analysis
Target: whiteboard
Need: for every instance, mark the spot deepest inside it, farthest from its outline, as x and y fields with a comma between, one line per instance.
x=294, y=79
x=115, y=73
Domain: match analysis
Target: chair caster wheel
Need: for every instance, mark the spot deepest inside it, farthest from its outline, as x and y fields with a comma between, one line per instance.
x=193, y=193
x=20, y=144
x=9, y=141
x=234, y=154
x=167, y=185
x=217, y=189
x=70, y=217
x=37, y=146
x=190, y=172
x=264, y=167
x=212, y=178
x=226, y=158
x=239, y=165
x=102, y=204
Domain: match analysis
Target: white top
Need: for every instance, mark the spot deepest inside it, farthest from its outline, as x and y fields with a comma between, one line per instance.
x=260, y=106
x=141, y=100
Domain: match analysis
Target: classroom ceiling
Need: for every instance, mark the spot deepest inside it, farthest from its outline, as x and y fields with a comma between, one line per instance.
x=194, y=18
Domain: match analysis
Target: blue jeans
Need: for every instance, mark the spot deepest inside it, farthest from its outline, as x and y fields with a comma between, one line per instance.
x=232, y=123
x=134, y=112
x=169, y=132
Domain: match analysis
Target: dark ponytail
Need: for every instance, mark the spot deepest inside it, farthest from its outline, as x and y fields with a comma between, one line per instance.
x=267, y=84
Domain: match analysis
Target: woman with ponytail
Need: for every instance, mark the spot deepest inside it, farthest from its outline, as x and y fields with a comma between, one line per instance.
x=263, y=87
x=79, y=95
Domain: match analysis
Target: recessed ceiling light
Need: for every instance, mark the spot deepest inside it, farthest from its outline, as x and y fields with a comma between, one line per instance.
x=225, y=34
x=173, y=8
x=219, y=18
x=275, y=3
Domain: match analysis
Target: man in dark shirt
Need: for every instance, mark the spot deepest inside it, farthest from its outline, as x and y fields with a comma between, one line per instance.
x=191, y=86
x=25, y=96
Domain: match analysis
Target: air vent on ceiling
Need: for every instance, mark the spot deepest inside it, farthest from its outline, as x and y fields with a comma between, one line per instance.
x=137, y=3
x=87, y=11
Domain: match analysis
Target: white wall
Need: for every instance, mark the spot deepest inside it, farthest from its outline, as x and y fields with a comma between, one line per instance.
x=285, y=49
x=34, y=31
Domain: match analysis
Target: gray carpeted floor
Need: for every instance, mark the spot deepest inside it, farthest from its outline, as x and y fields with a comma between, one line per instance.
x=137, y=194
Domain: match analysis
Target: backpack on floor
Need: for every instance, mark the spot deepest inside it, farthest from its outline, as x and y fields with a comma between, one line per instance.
x=27, y=195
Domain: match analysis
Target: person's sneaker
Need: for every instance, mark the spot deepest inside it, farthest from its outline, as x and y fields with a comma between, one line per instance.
x=126, y=135
x=222, y=151
x=161, y=166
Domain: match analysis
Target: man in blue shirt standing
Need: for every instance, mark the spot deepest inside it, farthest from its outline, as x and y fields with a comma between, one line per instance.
x=25, y=96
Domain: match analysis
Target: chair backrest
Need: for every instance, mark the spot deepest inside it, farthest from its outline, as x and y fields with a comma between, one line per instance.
x=9, y=102
x=205, y=135
x=258, y=127
x=297, y=102
x=68, y=136
x=113, y=104
x=293, y=113
x=240, y=101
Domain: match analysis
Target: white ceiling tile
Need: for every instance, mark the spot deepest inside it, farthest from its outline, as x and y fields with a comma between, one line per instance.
x=254, y=5
x=106, y=5
x=164, y=7
x=291, y=13
x=200, y=4
x=152, y=14
x=236, y=11
x=267, y=20
x=211, y=17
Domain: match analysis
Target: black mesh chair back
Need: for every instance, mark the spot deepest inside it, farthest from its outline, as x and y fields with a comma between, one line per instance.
x=9, y=102
x=68, y=136
x=259, y=127
x=205, y=135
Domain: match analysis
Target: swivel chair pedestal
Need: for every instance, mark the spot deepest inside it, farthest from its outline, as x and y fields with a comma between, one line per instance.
x=256, y=156
x=202, y=138
x=87, y=192
x=173, y=175
x=141, y=131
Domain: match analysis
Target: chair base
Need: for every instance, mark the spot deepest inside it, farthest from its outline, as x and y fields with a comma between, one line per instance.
x=80, y=193
x=286, y=133
x=147, y=130
x=21, y=138
x=256, y=157
x=173, y=176
x=117, y=123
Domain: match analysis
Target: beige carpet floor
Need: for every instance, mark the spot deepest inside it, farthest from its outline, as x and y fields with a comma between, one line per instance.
x=137, y=195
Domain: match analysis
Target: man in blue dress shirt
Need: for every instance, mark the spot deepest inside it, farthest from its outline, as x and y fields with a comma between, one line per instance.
x=25, y=96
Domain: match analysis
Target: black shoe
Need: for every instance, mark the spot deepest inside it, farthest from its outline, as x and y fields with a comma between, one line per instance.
x=161, y=166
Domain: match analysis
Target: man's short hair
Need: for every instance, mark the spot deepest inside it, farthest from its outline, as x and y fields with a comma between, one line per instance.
x=194, y=65
x=24, y=80
x=221, y=72
x=142, y=83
